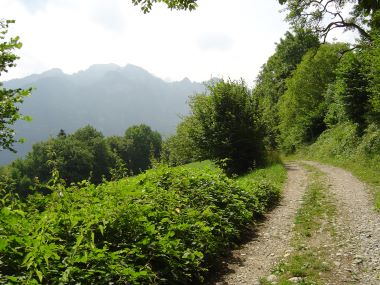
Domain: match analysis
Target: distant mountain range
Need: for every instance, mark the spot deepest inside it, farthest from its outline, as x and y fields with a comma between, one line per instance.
x=109, y=97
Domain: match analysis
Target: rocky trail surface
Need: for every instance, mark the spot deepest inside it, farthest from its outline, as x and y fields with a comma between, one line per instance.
x=357, y=227
x=256, y=258
x=355, y=251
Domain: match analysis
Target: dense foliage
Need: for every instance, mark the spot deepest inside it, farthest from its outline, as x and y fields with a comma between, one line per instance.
x=180, y=148
x=85, y=154
x=166, y=226
x=372, y=71
x=303, y=106
x=9, y=98
x=351, y=91
x=223, y=126
x=331, y=85
x=270, y=83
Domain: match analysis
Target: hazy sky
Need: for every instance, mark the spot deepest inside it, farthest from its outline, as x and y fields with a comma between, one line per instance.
x=229, y=38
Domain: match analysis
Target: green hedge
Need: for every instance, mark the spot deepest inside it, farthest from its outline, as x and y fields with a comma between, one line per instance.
x=165, y=226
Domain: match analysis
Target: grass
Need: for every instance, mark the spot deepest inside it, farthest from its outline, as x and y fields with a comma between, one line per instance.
x=309, y=259
x=275, y=173
x=201, y=165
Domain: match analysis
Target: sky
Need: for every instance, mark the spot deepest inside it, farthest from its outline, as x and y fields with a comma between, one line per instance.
x=221, y=38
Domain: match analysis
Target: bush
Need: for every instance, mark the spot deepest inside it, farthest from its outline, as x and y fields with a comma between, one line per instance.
x=340, y=141
x=165, y=226
x=225, y=127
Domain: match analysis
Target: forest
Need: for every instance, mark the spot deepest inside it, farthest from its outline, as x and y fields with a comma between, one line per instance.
x=84, y=208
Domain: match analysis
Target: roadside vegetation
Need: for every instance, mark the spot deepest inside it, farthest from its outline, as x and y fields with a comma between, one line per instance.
x=343, y=147
x=166, y=226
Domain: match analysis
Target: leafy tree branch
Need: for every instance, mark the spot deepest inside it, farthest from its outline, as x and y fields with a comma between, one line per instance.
x=9, y=98
x=146, y=5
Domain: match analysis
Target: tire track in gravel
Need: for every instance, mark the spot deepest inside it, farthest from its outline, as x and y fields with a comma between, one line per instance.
x=256, y=258
x=357, y=227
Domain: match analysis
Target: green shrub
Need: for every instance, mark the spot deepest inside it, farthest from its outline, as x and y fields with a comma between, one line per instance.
x=166, y=226
x=340, y=142
x=342, y=146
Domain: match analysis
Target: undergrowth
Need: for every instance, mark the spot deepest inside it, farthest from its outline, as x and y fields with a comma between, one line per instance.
x=166, y=226
x=343, y=147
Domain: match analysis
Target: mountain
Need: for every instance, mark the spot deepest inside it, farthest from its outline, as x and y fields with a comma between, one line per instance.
x=109, y=97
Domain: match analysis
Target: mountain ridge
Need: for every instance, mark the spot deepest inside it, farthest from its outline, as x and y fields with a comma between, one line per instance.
x=107, y=96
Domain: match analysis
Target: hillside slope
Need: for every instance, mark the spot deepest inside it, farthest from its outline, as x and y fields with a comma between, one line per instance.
x=109, y=97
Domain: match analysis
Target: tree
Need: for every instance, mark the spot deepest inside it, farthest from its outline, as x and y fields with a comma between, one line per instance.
x=352, y=86
x=143, y=144
x=9, y=98
x=146, y=5
x=94, y=142
x=372, y=63
x=226, y=126
x=82, y=155
x=61, y=134
x=356, y=95
x=323, y=16
x=72, y=158
x=270, y=83
x=303, y=107
x=180, y=148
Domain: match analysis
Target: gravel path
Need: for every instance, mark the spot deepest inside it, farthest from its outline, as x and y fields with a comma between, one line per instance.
x=357, y=226
x=355, y=250
x=256, y=258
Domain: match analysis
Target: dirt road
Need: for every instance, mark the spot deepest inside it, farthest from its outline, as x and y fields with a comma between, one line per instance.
x=257, y=257
x=356, y=253
x=357, y=226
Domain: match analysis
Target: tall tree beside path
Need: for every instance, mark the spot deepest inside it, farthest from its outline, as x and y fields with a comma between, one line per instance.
x=303, y=106
x=270, y=83
x=9, y=98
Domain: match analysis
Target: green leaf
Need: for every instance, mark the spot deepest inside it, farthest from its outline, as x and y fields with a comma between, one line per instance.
x=39, y=274
x=101, y=228
x=3, y=244
x=12, y=278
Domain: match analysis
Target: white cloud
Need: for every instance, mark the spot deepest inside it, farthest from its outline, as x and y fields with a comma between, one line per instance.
x=215, y=41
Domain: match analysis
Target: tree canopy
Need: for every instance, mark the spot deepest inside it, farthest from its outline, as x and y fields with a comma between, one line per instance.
x=270, y=83
x=143, y=145
x=85, y=155
x=302, y=108
x=224, y=126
